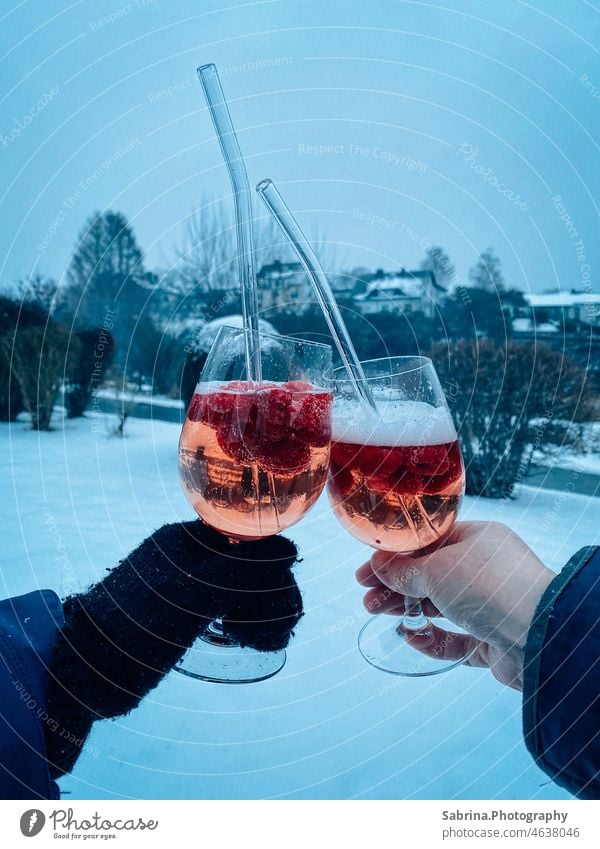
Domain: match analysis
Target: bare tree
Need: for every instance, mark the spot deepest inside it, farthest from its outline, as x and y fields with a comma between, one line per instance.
x=438, y=261
x=126, y=396
x=38, y=290
x=126, y=405
x=486, y=273
x=205, y=260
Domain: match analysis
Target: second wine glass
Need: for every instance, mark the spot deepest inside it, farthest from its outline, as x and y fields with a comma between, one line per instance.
x=396, y=483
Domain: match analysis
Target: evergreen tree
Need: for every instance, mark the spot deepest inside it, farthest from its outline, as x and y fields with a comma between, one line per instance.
x=108, y=285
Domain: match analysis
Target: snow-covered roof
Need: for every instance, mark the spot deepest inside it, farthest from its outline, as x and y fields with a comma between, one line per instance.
x=281, y=275
x=279, y=269
x=393, y=287
x=207, y=335
x=562, y=299
x=342, y=282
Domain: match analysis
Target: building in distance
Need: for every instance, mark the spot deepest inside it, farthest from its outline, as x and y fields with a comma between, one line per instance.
x=397, y=292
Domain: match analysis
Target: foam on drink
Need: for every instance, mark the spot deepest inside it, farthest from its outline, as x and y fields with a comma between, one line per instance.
x=400, y=423
x=242, y=387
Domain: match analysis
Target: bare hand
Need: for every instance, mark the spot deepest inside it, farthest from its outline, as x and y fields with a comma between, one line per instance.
x=484, y=578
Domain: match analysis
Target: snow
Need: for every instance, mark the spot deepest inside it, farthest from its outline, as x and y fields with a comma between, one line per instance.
x=140, y=398
x=567, y=458
x=562, y=299
x=207, y=335
x=75, y=501
x=587, y=459
x=394, y=287
x=524, y=325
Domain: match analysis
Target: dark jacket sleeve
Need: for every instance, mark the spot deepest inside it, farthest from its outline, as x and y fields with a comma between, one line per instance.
x=28, y=628
x=561, y=693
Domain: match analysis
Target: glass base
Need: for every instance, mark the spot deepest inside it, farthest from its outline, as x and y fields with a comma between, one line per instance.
x=383, y=643
x=220, y=659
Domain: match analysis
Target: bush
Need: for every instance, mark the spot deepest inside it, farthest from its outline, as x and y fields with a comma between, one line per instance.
x=11, y=398
x=169, y=359
x=38, y=360
x=16, y=317
x=194, y=363
x=88, y=365
x=494, y=392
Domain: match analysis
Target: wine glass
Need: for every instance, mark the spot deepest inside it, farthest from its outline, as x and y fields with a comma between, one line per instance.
x=253, y=459
x=396, y=483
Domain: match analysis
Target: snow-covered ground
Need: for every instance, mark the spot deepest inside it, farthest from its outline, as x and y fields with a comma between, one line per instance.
x=139, y=398
x=567, y=458
x=75, y=500
x=586, y=459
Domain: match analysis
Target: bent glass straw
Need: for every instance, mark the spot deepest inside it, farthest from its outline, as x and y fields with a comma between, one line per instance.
x=288, y=224
x=219, y=112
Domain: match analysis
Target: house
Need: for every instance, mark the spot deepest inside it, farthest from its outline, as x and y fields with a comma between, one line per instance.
x=346, y=283
x=399, y=292
x=567, y=322
x=561, y=306
x=285, y=285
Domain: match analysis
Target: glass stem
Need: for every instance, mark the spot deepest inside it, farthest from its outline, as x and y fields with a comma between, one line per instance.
x=414, y=619
x=216, y=636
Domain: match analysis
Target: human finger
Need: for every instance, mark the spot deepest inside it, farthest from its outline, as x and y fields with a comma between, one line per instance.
x=382, y=600
x=446, y=645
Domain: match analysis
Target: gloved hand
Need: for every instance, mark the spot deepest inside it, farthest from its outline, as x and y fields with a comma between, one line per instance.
x=124, y=634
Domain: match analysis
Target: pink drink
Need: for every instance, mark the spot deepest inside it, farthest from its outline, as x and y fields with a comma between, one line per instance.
x=253, y=460
x=399, y=486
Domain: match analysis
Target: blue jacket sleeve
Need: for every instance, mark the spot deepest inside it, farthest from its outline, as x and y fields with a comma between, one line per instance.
x=28, y=626
x=561, y=692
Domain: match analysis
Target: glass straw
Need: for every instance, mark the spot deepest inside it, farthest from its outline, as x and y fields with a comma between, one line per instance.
x=288, y=224
x=242, y=197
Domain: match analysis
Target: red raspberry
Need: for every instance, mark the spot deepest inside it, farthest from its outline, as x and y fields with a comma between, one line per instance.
x=380, y=461
x=379, y=483
x=237, y=429
x=429, y=459
x=344, y=454
x=274, y=413
x=406, y=483
x=218, y=408
x=236, y=386
x=288, y=457
x=244, y=411
x=437, y=484
x=298, y=386
x=312, y=422
x=342, y=481
x=239, y=451
x=196, y=411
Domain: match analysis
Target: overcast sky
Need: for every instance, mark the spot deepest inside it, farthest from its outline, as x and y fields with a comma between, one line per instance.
x=388, y=125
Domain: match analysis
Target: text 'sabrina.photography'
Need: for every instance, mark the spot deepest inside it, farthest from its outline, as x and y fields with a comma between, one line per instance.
x=300, y=422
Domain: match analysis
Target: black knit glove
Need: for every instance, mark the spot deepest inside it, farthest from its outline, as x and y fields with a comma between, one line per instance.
x=123, y=635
